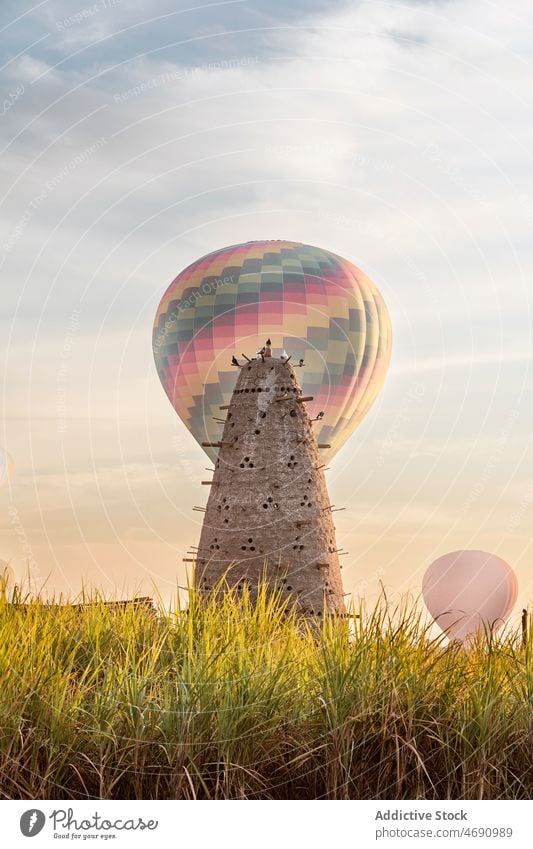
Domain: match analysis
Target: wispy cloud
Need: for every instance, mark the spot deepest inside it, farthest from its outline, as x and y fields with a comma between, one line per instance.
x=474, y=360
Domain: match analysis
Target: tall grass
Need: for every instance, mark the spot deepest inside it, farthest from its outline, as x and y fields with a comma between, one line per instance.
x=231, y=700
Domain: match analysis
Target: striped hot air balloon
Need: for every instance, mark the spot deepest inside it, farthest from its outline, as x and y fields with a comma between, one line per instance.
x=316, y=305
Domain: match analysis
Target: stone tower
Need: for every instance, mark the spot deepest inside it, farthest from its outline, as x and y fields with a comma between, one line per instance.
x=268, y=512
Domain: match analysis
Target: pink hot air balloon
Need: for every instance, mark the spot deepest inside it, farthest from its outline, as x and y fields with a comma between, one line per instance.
x=467, y=591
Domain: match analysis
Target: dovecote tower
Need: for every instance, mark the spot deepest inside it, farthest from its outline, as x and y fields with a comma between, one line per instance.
x=268, y=514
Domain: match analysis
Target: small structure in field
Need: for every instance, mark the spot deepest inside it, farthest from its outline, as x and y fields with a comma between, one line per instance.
x=138, y=604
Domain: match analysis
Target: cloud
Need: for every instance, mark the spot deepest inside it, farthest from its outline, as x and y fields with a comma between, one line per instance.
x=489, y=358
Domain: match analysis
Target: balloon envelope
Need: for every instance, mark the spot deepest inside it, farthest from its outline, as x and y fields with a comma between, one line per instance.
x=467, y=591
x=314, y=304
x=6, y=468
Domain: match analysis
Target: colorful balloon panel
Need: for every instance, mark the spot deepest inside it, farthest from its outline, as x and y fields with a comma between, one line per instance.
x=469, y=591
x=310, y=302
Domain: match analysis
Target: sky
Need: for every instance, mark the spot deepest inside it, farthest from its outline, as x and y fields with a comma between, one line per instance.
x=137, y=137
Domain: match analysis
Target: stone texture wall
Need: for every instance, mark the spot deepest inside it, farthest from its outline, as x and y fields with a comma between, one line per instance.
x=268, y=512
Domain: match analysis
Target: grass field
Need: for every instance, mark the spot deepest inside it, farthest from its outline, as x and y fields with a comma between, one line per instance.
x=231, y=701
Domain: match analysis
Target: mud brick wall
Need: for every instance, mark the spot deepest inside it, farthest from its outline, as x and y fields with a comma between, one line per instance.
x=268, y=512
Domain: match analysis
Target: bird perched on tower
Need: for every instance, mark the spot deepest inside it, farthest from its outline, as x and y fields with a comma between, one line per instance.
x=234, y=361
x=301, y=362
